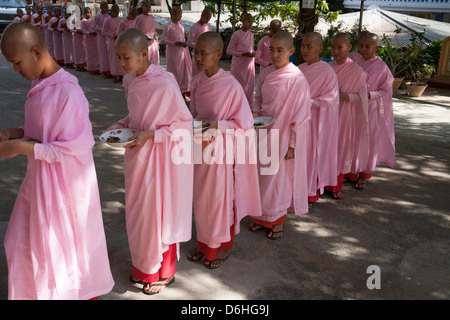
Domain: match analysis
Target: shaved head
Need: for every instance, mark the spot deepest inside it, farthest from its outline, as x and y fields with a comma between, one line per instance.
x=315, y=36
x=371, y=36
x=285, y=37
x=213, y=39
x=134, y=38
x=344, y=36
x=21, y=36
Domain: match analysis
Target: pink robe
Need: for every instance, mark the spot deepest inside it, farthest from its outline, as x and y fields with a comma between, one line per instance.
x=194, y=32
x=90, y=45
x=323, y=130
x=110, y=31
x=38, y=24
x=263, y=53
x=146, y=23
x=353, y=149
x=55, y=242
x=355, y=56
x=48, y=34
x=79, y=55
x=158, y=191
x=224, y=192
x=125, y=24
x=178, y=59
x=57, y=40
x=284, y=94
x=381, y=113
x=66, y=42
x=243, y=68
x=99, y=20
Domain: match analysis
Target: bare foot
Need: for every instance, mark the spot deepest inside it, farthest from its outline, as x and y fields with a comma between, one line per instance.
x=276, y=232
x=221, y=256
x=158, y=286
x=194, y=255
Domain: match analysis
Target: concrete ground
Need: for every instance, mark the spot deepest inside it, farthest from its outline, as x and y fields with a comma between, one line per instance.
x=400, y=222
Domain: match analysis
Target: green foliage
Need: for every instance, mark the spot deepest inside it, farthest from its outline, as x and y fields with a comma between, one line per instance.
x=417, y=60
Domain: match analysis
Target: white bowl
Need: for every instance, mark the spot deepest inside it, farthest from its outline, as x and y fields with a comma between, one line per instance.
x=263, y=121
x=123, y=134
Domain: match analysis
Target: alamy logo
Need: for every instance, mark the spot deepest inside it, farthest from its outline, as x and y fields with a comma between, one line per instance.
x=374, y=281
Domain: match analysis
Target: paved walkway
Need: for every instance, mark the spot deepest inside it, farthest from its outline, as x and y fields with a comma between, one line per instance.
x=400, y=222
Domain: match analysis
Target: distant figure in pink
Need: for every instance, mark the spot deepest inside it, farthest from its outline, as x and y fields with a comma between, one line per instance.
x=57, y=36
x=110, y=28
x=178, y=59
x=146, y=23
x=90, y=42
x=66, y=40
x=262, y=56
x=201, y=26
x=55, y=241
x=128, y=21
x=48, y=33
x=241, y=47
x=99, y=20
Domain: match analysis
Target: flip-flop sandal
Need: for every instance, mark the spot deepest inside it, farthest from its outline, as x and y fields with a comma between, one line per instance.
x=209, y=266
x=336, y=195
x=195, y=253
x=156, y=284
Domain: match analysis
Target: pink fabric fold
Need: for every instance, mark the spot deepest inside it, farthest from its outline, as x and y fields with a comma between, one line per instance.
x=90, y=45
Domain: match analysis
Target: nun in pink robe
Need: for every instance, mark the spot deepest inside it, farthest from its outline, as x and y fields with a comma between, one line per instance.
x=57, y=39
x=178, y=59
x=79, y=55
x=125, y=24
x=284, y=94
x=242, y=67
x=90, y=45
x=158, y=190
x=194, y=32
x=146, y=23
x=48, y=33
x=224, y=192
x=66, y=42
x=323, y=129
x=36, y=20
x=353, y=149
x=262, y=56
x=381, y=113
x=99, y=20
x=110, y=28
x=55, y=242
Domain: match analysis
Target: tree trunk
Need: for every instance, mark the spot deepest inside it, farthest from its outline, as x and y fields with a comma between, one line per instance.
x=306, y=20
